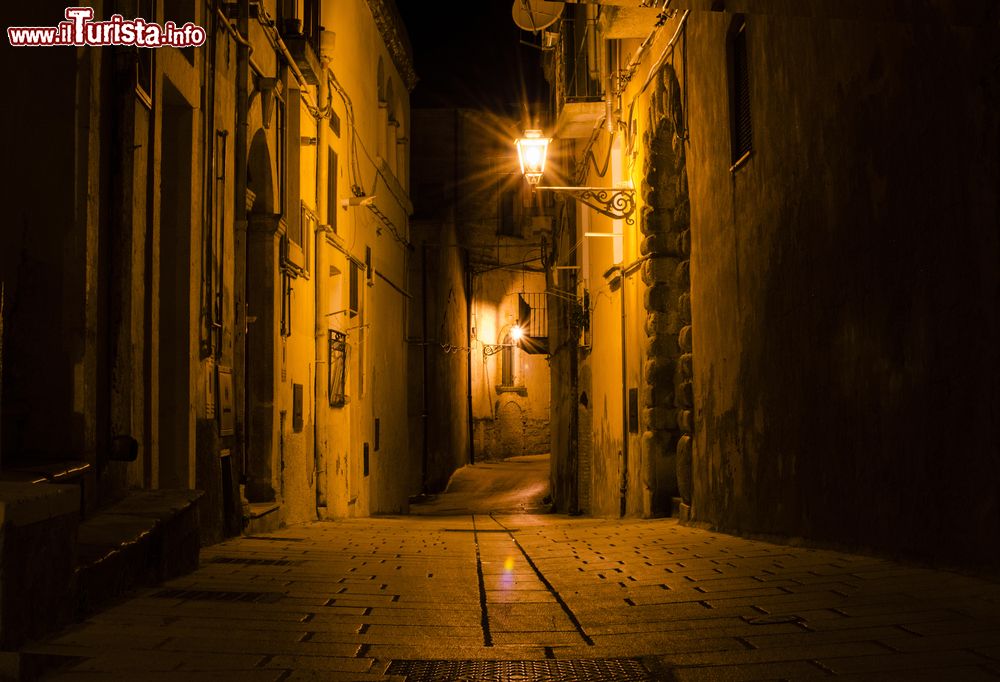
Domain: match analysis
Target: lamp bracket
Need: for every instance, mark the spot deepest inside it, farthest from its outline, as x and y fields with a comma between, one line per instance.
x=617, y=203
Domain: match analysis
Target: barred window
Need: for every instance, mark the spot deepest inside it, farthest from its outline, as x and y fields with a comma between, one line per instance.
x=337, y=369
x=740, y=124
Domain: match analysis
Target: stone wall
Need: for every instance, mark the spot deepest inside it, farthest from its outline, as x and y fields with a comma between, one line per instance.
x=665, y=221
x=845, y=282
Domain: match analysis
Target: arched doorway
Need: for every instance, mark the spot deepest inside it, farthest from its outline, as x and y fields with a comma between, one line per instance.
x=262, y=324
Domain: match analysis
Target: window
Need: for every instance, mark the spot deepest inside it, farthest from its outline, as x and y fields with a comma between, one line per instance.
x=740, y=125
x=380, y=82
x=285, y=326
x=507, y=362
x=369, y=272
x=331, y=191
x=337, y=364
x=354, y=291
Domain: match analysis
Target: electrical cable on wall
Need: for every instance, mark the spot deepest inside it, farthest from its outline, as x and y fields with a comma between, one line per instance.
x=354, y=167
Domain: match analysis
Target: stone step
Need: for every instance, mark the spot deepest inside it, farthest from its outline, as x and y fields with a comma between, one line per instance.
x=148, y=537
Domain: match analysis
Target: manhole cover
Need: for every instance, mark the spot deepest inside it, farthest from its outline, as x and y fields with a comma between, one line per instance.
x=583, y=670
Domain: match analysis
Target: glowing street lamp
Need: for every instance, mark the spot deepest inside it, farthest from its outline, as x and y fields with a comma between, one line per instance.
x=516, y=333
x=531, y=152
x=617, y=202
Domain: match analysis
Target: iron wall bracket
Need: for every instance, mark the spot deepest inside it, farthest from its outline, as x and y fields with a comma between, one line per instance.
x=617, y=203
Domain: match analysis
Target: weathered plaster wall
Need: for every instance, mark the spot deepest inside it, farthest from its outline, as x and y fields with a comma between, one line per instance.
x=439, y=392
x=845, y=284
x=377, y=357
x=509, y=420
x=463, y=161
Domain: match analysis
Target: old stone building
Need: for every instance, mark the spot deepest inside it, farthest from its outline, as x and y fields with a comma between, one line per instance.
x=482, y=236
x=798, y=322
x=204, y=270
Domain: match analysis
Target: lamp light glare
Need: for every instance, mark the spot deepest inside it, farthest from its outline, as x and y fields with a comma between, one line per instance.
x=516, y=333
x=531, y=152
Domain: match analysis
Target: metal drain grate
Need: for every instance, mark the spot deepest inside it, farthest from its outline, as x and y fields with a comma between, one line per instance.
x=217, y=595
x=582, y=670
x=251, y=562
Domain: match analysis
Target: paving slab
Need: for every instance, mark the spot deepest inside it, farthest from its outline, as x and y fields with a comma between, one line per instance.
x=342, y=599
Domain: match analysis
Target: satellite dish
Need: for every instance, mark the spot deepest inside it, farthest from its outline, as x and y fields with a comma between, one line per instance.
x=534, y=15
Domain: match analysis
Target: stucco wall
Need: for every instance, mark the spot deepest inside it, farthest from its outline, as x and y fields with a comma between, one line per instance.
x=845, y=284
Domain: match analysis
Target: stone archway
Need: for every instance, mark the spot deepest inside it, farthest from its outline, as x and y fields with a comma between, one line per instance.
x=262, y=233
x=665, y=224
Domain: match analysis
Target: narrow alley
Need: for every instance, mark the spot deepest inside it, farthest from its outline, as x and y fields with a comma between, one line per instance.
x=508, y=596
x=500, y=341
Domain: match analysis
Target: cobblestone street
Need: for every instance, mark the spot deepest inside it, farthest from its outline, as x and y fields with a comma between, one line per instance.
x=354, y=599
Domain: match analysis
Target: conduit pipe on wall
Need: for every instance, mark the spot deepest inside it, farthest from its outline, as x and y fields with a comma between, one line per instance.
x=625, y=431
x=240, y=274
x=666, y=52
x=321, y=399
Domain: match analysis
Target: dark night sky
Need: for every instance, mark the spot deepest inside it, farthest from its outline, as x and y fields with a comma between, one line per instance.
x=468, y=54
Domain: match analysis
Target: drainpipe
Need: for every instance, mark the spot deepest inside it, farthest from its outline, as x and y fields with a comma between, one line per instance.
x=573, y=465
x=321, y=410
x=468, y=331
x=423, y=334
x=242, y=254
x=625, y=432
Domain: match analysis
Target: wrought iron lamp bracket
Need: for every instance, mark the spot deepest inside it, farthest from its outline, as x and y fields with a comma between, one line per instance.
x=614, y=202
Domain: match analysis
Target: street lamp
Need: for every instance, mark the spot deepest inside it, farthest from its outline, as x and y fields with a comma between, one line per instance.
x=531, y=152
x=617, y=203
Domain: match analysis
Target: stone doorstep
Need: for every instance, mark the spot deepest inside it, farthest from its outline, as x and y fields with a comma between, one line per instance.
x=148, y=537
x=262, y=518
x=26, y=503
x=38, y=525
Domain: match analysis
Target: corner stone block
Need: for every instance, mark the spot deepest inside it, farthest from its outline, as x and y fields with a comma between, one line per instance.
x=666, y=323
x=660, y=268
x=682, y=243
x=655, y=396
x=666, y=197
x=685, y=448
x=659, y=245
x=685, y=420
x=684, y=307
x=658, y=372
x=682, y=214
x=684, y=339
x=649, y=220
x=663, y=345
x=682, y=275
x=686, y=364
x=685, y=394
x=657, y=298
x=660, y=418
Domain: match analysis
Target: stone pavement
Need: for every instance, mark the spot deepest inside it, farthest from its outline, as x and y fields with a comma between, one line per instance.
x=344, y=600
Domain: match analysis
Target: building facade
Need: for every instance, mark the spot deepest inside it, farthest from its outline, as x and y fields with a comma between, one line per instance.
x=204, y=280
x=796, y=332
x=482, y=239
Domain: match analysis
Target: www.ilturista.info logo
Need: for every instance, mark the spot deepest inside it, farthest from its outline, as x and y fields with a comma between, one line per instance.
x=80, y=29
